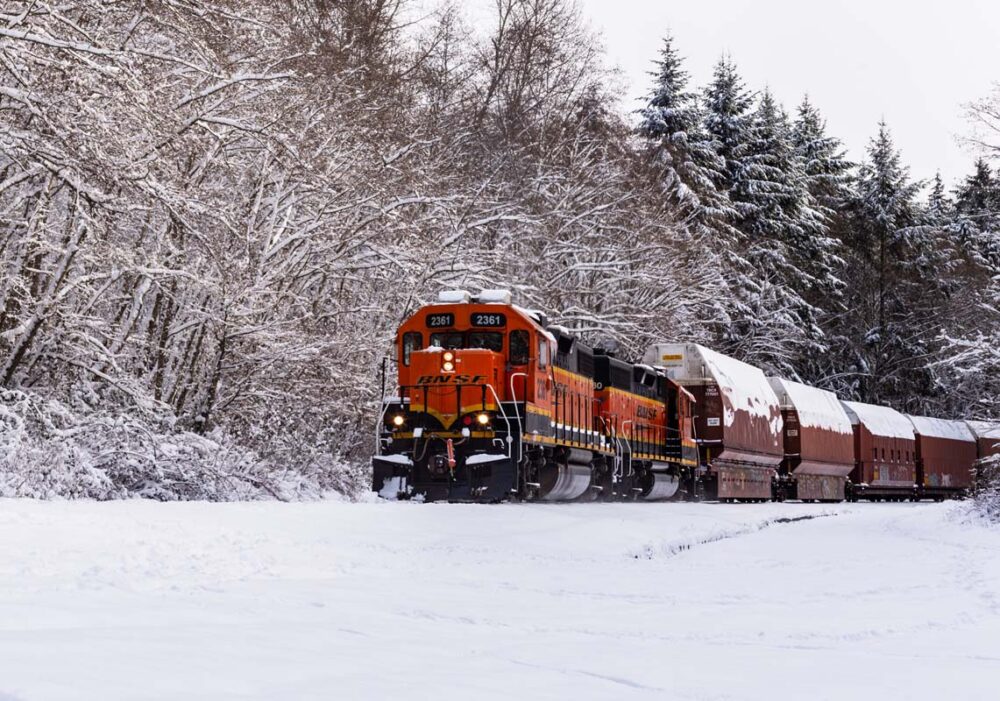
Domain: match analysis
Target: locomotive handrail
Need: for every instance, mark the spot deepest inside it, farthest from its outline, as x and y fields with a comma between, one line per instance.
x=520, y=426
x=503, y=412
x=631, y=472
x=381, y=419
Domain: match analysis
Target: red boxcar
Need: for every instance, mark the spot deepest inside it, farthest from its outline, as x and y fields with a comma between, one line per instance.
x=987, y=437
x=946, y=456
x=738, y=427
x=884, y=453
x=819, y=442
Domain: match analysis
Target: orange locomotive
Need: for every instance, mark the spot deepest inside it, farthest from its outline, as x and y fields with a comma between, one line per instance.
x=492, y=405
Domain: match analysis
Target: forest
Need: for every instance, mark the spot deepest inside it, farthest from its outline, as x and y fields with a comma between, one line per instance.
x=215, y=213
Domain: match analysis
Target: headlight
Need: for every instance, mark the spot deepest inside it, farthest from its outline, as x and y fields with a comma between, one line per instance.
x=483, y=419
x=448, y=366
x=398, y=420
x=449, y=356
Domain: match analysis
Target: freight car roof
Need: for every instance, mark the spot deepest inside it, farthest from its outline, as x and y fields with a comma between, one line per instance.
x=880, y=420
x=816, y=408
x=985, y=429
x=942, y=428
x=745, y=386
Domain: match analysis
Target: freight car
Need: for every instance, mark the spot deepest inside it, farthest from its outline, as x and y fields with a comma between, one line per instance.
x=946, y=454
x=738, y=422
x=885, y=454
x=819, y=443
x=987, y=435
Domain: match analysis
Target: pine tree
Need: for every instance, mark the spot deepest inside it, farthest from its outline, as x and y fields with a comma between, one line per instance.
x=979, y=195
x=727, y=116
x=826, y=167
x=939, y=206
x=690, y=168
x=885, y=299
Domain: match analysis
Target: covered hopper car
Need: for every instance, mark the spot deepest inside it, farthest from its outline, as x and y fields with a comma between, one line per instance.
x=819, y=443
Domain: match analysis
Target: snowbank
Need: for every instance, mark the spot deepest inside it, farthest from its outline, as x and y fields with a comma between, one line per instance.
x=143, y=600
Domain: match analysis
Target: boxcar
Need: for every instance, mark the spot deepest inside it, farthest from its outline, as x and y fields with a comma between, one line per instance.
x=884, y=453
x=819, y=443
x=987, y=435
x=946, y=456
x=738, y=427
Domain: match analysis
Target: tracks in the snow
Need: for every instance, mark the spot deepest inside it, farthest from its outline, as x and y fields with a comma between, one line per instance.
x=674, y=547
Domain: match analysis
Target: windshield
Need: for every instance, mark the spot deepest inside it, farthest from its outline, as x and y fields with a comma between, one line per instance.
x=489, y=340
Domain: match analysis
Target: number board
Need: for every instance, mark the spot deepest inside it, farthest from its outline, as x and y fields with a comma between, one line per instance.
x=491, y=320
x=440, y=321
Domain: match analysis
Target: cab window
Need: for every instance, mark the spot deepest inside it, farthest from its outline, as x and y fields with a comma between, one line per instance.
x=543, y=352
x=490, y=340
x=412, y=341
x=519, y=347
x=449, y=341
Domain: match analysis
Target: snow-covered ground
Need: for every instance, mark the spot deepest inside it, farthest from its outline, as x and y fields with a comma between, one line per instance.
x=141, y=600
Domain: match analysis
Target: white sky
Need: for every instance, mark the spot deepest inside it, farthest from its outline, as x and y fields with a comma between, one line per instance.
x=914, y=63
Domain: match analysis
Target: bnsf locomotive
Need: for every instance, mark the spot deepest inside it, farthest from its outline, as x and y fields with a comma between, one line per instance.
x=493, y=403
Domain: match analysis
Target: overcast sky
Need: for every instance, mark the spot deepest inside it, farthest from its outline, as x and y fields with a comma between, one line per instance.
x=913, y=63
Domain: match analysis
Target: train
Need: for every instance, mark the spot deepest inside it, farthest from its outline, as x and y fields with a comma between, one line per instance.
x=493, y=403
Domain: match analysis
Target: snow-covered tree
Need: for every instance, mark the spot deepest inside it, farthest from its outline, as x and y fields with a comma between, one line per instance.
x=684, y=154
x=827, y=170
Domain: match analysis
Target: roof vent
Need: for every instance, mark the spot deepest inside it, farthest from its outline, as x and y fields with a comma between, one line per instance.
x=453, y=297
x=494, y=297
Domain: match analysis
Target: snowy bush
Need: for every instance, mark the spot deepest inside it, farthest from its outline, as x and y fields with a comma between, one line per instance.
x=89, y=448
x=986, y=495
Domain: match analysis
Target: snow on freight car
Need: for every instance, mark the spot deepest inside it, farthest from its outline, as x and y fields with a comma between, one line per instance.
x=884, y=453
x=819, y=442
x=987, y=437
x=946, y=456
x=738, y=427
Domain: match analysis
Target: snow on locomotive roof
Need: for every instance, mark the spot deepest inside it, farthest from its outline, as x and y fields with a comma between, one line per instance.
x=744, y=385
x=816, y=408
x=880, y=420
x=942, y=428
x=985, y=429
x=494, y=297
x=454, y=296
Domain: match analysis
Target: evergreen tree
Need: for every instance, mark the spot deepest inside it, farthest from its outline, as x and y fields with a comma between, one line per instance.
x=686, y=156
x=939, y=206
x=979, y=195
x=826, y=167
x=887, y=306
x=727, y=116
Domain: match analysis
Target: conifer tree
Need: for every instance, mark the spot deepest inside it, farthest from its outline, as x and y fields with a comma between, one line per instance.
x=827, y=170
x=884, y=297
x=727, y=116
x=691, y=169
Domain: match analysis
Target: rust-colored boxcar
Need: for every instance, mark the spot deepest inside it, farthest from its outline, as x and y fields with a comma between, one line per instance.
x=884, y=453
x=987, y=437
x=946, y=456
x=819, y=442
x=738, y=424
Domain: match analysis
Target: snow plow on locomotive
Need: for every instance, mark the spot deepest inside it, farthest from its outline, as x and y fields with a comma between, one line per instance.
x=492, y=405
